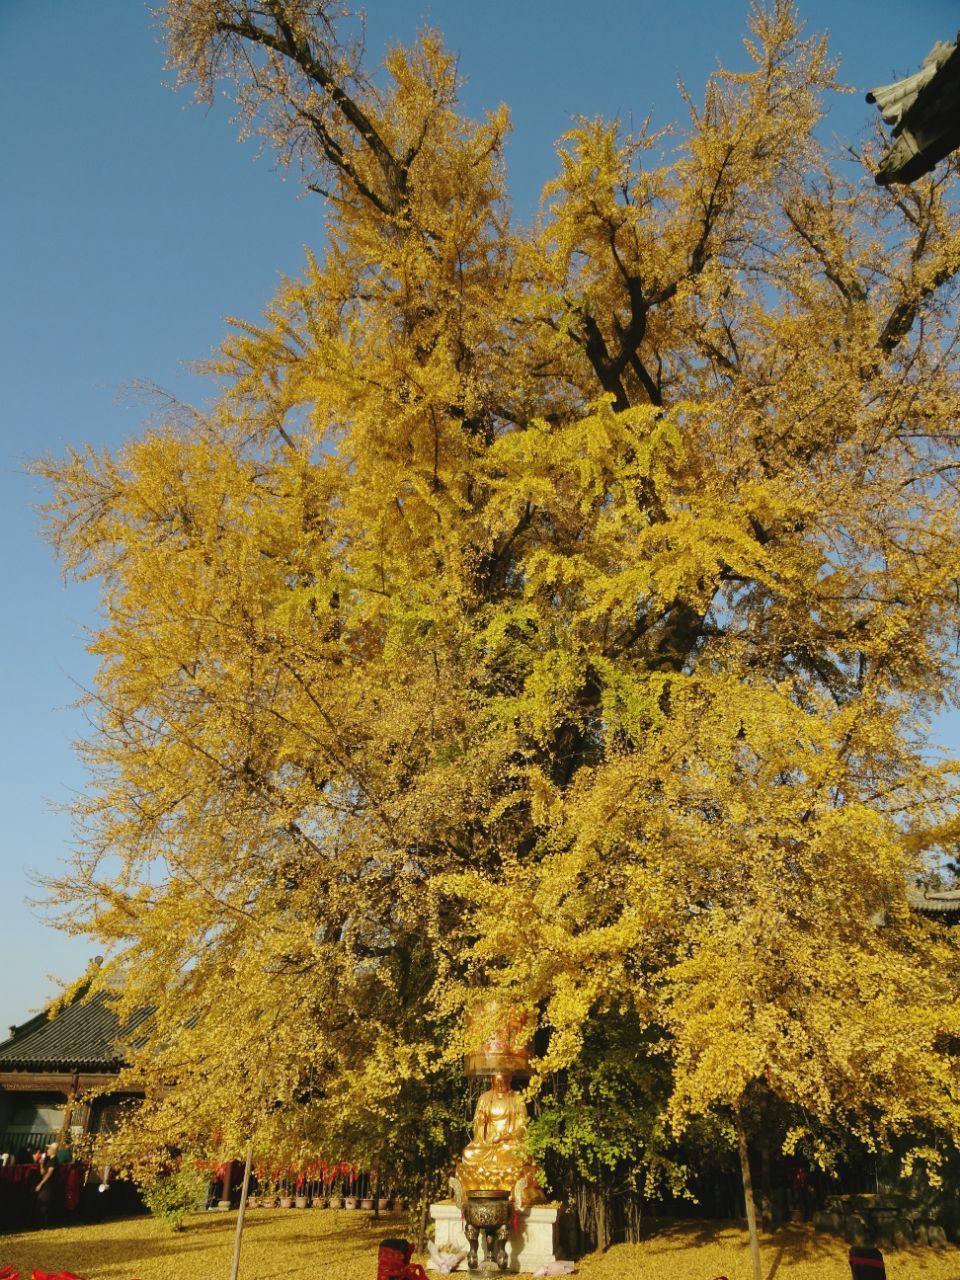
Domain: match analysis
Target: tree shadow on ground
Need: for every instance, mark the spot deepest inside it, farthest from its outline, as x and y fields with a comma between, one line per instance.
x=121, y=1249
x=781, y=1251
x=665, y=1242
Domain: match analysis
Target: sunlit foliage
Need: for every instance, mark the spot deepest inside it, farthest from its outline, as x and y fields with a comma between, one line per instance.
x=558, y=608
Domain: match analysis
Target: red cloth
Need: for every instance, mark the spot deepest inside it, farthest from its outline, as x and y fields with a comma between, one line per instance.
x=72, y=1183
x=53, y=1275
x=392, y=1259
x=8, y=1273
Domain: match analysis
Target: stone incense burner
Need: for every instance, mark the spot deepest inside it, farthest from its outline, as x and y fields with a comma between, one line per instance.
x=487, y=1213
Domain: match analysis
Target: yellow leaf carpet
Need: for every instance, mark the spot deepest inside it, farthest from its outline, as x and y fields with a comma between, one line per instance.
x=313, y=1245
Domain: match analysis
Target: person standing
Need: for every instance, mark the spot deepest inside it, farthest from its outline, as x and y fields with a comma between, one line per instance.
x=46, y=1187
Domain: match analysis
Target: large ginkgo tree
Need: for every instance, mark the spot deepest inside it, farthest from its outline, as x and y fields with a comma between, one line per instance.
x=557, y=609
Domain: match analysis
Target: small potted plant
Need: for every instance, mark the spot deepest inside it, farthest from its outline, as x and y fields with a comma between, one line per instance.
x=381, y=1199
x=268, y=1184
x=350, y=1199
x=312, y=1186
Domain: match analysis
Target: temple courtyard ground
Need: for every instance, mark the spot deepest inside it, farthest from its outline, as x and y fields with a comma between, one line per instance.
x=325, y=1245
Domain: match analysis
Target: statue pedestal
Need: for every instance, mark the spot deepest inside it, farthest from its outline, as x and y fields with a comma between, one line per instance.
x=532, y=1245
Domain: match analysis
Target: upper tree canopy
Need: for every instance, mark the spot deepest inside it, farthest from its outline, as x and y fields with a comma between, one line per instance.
x=557, y=608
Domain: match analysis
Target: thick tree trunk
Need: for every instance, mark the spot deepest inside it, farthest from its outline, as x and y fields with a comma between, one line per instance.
x=603, y=1226
x=632, y=1215
x=748, y=1194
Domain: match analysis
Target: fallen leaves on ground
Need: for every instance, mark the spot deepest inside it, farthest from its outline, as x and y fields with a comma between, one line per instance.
x=342, y=1245
x=703, y=1250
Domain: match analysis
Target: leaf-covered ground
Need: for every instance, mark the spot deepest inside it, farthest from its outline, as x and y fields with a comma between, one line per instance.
x=703, y=1250
x=312, y=1245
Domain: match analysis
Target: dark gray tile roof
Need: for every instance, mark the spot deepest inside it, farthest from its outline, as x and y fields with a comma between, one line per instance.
x=84, y=1034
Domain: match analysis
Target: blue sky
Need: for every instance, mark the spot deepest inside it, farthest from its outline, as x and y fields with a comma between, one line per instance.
x=134, y=223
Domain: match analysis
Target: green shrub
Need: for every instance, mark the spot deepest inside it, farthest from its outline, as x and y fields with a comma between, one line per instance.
x=172, y=1195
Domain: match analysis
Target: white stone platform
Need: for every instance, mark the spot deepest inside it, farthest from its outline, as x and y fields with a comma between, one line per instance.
x=532, y=1245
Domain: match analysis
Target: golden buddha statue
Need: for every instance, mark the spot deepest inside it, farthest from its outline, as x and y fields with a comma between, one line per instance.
x=496, y=1159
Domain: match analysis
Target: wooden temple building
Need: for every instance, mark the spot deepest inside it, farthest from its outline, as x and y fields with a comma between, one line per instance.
x=50, y=1063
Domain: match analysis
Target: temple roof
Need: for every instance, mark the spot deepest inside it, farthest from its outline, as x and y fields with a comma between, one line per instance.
x=85, y=1034
x=942, y=904
x=924, y=110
